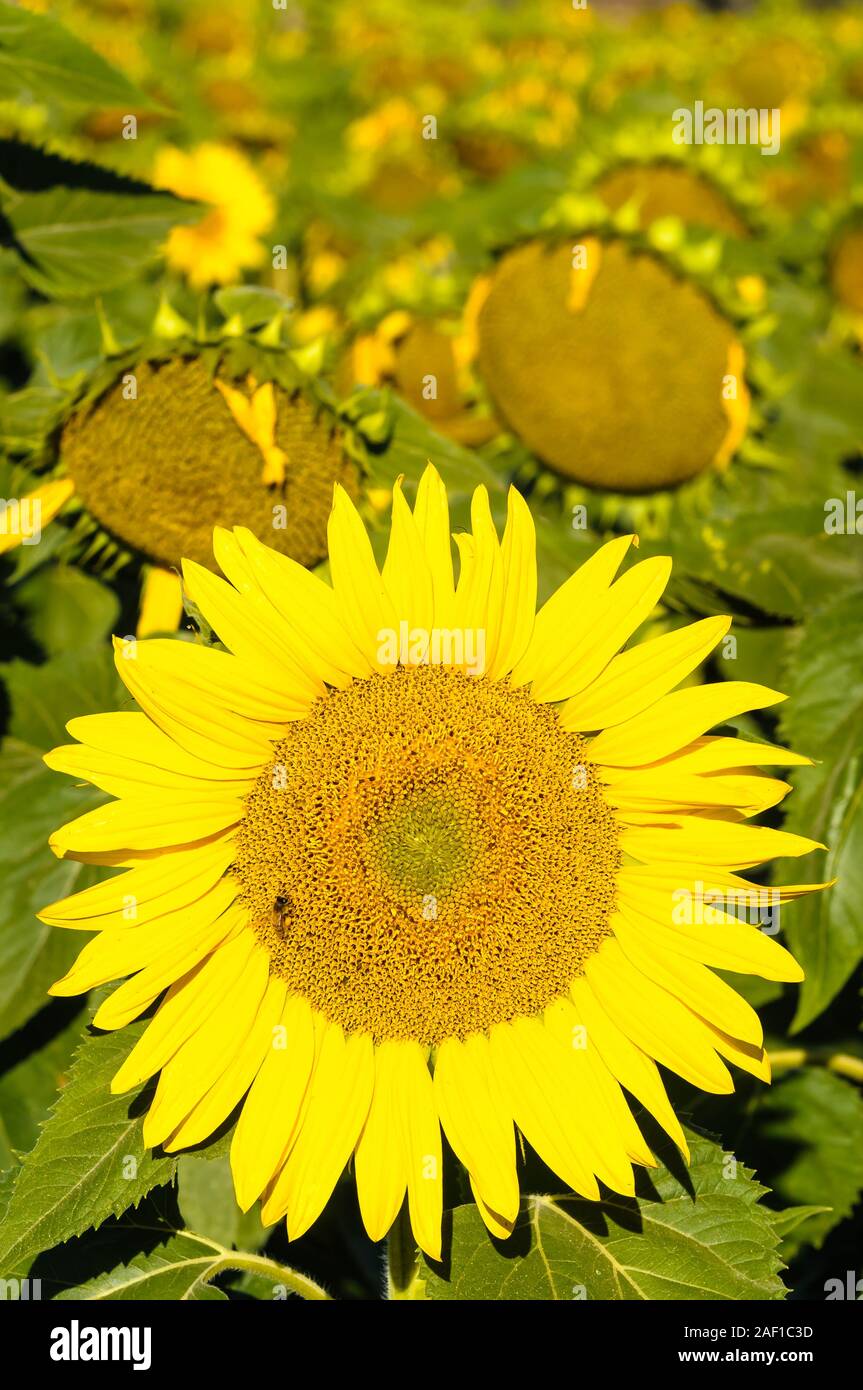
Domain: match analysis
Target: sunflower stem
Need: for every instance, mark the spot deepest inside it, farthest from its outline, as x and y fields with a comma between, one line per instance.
x=403, y=1267
x=277, y=1273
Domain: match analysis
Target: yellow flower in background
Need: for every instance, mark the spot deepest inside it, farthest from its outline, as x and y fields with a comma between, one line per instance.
x=216, y=250
x=409, y=856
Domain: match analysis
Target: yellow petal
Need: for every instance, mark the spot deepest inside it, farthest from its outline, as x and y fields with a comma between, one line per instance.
x=662, y=789
x=310, y=609
x=531, y=1073
x=200, y=1061
x=132, y=735
x=198, y=721
x=638, y=677
x=657, y=1022
x=698, y=840
x=431, y=515
x=572, y=662
x=380, y=1163
x=601, y=1138
x=690, y=982
x=477, y=1122
x=23, y=524
x=359, y=588
x=145, y=824
x=339, y=1097
x=252, y=630
x=747, y=1056
x=479, y=598
x=135, y=995
x=626, y=1061
x=161, y=602
x=214, y=1107
x=421, y=1141
x=719, y=939
x=185, y=1007
x=131, y=777
x=169, y=881
x=406, y=572
x=270, y=1111
x=518, y=590
x=675, y=720
x=621, y=1135
x=570, y=609
x=498, y=1225
x=115, y=953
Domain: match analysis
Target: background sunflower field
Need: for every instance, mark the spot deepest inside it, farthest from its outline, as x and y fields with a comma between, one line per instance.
x=335, y=241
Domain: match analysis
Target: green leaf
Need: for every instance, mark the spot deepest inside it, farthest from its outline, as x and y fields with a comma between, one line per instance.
x=177, y=1265
x=29, y=1084
x=74, y=243
x=701, y=1235
x=809, y=1131
x=40, y=61
x=824, y=719
x=178, y=1269
x=67, y=609
x=89, y=1162
x=794, y=1217
x=33, y=802
x=206, y=1197
x=77, y=229
x=44, y=698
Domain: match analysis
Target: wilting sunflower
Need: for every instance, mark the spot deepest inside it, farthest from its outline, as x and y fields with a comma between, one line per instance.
x=404, y=857
x=165, y=444
x=611, y=368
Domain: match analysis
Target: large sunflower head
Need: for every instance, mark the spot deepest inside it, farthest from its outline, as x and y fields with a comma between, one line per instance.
x=406, y=856
x=610, y=367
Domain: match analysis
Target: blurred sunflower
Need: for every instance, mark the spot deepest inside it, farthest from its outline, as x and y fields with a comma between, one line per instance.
x=846, y=268
x=668, y=188
x=161, y=448
x=391, y=885
x=226, y=241
x=610, y=367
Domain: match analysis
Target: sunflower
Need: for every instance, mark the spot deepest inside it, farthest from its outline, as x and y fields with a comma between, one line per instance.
x=664, y=188
x=428, y=362
x=609, y=367
x=165, y=446
x=226, y=241
x=846, y=266
x=403, y=857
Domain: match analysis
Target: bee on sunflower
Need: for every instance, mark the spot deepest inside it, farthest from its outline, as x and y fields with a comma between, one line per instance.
x=383, y=883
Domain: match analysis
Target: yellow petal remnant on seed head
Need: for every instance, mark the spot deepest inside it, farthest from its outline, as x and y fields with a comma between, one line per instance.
x=411, y=856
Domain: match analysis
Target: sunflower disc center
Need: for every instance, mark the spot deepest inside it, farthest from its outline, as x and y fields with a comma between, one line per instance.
x=428, y=854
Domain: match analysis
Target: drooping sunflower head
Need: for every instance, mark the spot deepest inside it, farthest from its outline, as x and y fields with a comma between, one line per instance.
x=175, y=447
x=663, y=188
x=410, y=857
x=611, y=368
x=428, y=361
